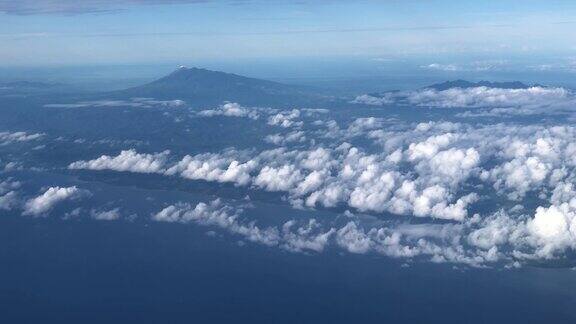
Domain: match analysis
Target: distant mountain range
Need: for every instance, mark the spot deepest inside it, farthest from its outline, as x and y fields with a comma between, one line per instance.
x=201, y=87
x=205, y=88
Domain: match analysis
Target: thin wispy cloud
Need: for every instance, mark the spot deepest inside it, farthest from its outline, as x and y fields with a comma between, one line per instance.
x=269, y=32
x=199, y=29
x=73, y=7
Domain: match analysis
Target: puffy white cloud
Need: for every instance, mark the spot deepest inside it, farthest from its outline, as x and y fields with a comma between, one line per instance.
x=530, y=159
x=9, y=200
x=8, y=185
x=214, y=167
x=42, y=204
x=495, y=230
x=286, y=119
x=549, y=223
x=280, y=139
x=215, y=213
x=475, y=97
x=381, y=100
x=451, y=166
x=128, y=160
x=488, y=97
x=316, y=159
x=108, y=215
x=362, y=125
x=353, y=239
x=429, y=147
x=8, y=195
x=278, y=179
x=328, y=177
x=310, y=237
x=439, y=243
x=231, y=109
x=553, y=230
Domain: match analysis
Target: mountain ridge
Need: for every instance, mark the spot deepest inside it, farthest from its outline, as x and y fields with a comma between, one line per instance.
x=202, y=87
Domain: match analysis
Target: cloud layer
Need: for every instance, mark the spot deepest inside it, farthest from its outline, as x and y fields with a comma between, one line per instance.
x=434, y=170
x=14, y=137
x=476, y=97
x=461, y=191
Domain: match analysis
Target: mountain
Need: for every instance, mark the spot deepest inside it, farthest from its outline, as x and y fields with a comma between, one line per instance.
x=201, y=87
x=467, y=84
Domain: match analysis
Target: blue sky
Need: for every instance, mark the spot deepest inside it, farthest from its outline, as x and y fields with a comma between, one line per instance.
x=63, y=32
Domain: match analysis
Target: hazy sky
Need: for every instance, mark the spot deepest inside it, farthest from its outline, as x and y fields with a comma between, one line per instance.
x=61, y=32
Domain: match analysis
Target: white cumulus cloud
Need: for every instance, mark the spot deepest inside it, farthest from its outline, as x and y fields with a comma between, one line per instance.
x=42, y=204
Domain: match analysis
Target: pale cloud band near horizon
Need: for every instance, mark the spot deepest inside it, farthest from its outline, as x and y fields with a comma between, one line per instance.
x=72, y=7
